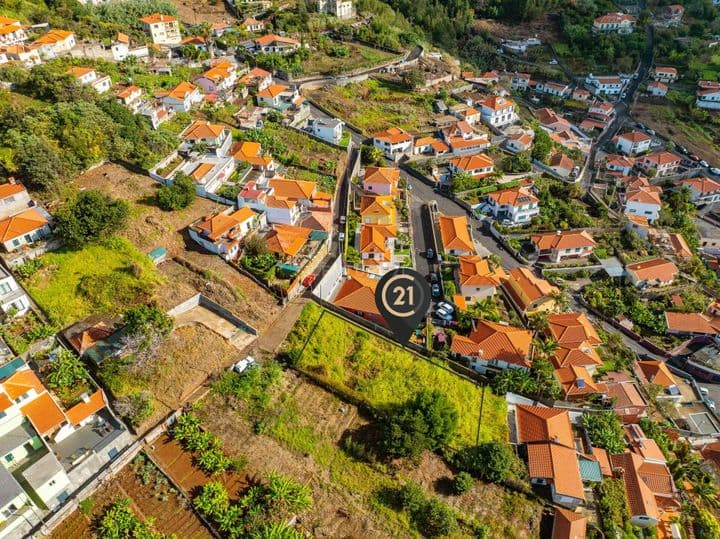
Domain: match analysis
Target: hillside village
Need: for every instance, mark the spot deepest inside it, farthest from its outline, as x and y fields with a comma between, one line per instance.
x=198, y=202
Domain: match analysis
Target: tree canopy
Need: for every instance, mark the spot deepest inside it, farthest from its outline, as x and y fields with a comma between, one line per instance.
x=90, y=216
x=426, y=421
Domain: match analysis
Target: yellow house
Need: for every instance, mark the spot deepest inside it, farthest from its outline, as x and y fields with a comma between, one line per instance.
x=378, y=210
x=529, y=293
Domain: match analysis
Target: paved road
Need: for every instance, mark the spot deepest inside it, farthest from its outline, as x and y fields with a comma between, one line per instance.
x=422, y=193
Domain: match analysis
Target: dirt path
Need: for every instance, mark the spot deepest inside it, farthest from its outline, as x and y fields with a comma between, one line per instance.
x=270, y=340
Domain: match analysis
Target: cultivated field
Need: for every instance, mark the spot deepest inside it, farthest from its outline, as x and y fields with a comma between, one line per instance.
x=375, y=105
x=151, y=497
x=673, y=123
x=380, y=373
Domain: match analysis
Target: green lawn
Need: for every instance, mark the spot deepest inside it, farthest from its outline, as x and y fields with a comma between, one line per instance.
x=359, y=57
x=381, y=373
x=104, y=278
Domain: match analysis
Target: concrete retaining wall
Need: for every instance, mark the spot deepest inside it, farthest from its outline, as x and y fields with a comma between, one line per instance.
x=210, y=305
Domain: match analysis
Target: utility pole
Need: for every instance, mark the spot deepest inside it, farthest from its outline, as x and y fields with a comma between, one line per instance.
x=482, y=402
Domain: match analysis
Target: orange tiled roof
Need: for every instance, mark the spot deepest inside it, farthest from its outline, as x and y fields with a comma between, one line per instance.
x=394, y=135
x=475, y=271
x=563, y=240
x=201, y=171
x=641, y=498
x=692, y=323
x=21, y=382
x=219, y=224
x=273, y=90
x=81, y=411
x=561, y=160
x=52, y=37
x=86, y=339
x=157, y=17
x=382, y=175
x=128, y=91
x=646, y=194
x=357, y=293
x=541, y=424
x=293, y=189
x=254, y=74
x=9, y=189
x=44, y=413
x=180, y=91
x=79, y=71
x=200, y=129
x=626, y=394
x=568, y=524
x=578, y=354
x=472, y=162
x=272, y=38
x=572, y=328
x=286, y=239
x=662, y=158
x=576, y=381
x=635, y=136
x=533, y=288
x=679, y=245
x=496, y=102
x=657, y=372
x=490, y=340
x=218, y=73
x=372, y=240
x=517, y=196
x=377, y=205
x=454, y=233
x=5, y=402
x=702, y=185
x=559, y=464
x=22, y=223
x=657, y=269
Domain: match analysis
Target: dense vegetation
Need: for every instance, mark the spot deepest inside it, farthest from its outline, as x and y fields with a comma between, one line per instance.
x=605, y=431
x=613, y=507
x=178, y=195
x=90, y=217
x=119, y=522
x=56, y=128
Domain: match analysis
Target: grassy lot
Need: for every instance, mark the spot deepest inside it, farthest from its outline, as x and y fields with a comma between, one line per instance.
x=676, y=124
x=305, y=150
x=103, y=278
x=708, y=66
x=381, y=373
x=375, y=105
x=303, y=433
x=359, y=56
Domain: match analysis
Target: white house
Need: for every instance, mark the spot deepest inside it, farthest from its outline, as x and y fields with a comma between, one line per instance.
x=89, y=77
x=517, y=205
x=520, y=81
x=342, y=9
x=633, y=143
x=219, y=79
x=478, y=165
x=217, y=138
x=655, y=272
x=708, y=95
x=394, y=142
x=23, y=54
x=23, y=228
x=12, y=31
x=131, y=97
x=520, y=142
x=553, y=88
x=702, y=190
x=163, y=29
x=120, y=48
x=657, y=89
x=605, y=85
x=622, y=23
x=14, y=198
x=12, y=296
x=272, y=43
x=620, y=164
x=497, y=111
x=661, y=163
x=277, y=210
x=182, y=97
x=330, y=129
x=665, y=74
x=562, y=245
x=47, y=478
x=643, y=201
x=223, y=232
x=54, y=43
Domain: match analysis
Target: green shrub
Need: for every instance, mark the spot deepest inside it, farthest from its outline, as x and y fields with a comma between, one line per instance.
x=67, y=370
x=428, y=515
x=462, y=483
x=89, y=217
x=493, y=461
x=178, y=195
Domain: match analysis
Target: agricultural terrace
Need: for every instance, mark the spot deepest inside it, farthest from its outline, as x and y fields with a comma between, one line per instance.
x=380, y=373
x=102, y=278
x=339, y=57
x=374, y=105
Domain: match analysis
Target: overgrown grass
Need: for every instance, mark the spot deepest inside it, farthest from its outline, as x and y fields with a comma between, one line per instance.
x=381, y=373
x=103, y=278
x=360, y=56
x=376, y=105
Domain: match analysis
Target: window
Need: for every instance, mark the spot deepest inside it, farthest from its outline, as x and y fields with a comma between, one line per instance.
x=9, y=457
x=5, y=288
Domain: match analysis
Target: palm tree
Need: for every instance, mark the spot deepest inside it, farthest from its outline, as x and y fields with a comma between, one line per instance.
x=539, y=321
x=487, y=309
x=562, y=300
x=545, y=348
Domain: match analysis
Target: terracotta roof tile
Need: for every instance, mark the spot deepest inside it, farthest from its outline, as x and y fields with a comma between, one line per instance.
x=568, y=524
x=657, y=269
x=558, y=464
x=357, y=293
x=563, y=240
x=657, y=373
x=541, y=424
x=21, y=382
x=454, y=233
x=517, y=196
x=494, y=341
x=81, y=411
x=394, y=135
x=572, y=328
x=476, y=271
x=44, y=414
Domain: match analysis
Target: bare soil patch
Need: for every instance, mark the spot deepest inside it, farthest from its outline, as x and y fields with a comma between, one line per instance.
x=198, y=11
x=173, y=515
x=546, y=28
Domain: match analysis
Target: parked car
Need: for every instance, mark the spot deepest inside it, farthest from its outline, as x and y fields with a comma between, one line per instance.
x=449, y=307
x=553, y=62
x=433, y=277
x=243, y=365
x=704, y=391
x=341, y=237
x=715, y=170
x=694, y=157
x=430, y=254
x=342, y=219
x=442, y=313
x=651, y=132
x=704, y=163
x=623, y=95
x=435, y=290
